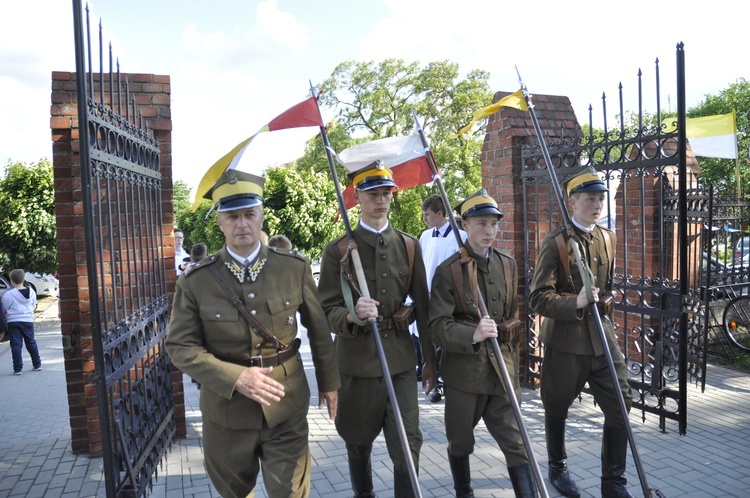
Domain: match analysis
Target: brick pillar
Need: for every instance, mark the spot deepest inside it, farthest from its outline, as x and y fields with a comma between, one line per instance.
x=152, y=97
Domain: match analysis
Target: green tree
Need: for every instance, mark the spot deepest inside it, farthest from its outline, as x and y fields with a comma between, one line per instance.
x=27, y=217
x=722, y=172
x=374, y=100
x=301, y=204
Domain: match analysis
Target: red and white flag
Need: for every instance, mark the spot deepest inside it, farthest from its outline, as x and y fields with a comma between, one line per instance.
x=305, y=113
x=404, y=156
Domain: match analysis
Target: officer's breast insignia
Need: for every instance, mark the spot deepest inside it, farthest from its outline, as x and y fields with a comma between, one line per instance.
x=290, y=320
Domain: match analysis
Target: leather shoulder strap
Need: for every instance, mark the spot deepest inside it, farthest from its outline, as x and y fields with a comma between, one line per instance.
x=562, y=249
x=409, y=243
x=254, y=323
x=508, y=286
x=610, y=253
x=458, y=283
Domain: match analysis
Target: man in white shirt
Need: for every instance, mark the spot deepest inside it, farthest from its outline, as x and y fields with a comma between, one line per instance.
x=438, y=243
x=181, y=256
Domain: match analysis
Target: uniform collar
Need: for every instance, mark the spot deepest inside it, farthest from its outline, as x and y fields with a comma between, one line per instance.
x=372, y=237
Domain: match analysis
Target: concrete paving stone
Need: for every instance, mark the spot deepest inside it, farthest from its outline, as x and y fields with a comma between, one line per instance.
x=22, y=487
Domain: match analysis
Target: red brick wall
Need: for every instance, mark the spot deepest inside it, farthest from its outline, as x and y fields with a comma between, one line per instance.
x=152, y=97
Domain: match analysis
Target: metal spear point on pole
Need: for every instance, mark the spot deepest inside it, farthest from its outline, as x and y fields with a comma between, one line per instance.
x=362, y=281
x=586, y=274
x=504, y=375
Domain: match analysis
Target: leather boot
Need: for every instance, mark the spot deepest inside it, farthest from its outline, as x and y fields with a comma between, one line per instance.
x=402, y=484
x=557, y=457
x=523, y=483
x=614, y=458
x=461, y=471
x=360, y=474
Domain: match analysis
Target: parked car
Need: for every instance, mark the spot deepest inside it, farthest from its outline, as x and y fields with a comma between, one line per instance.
x=43, y=285
x=742, y=248
x=5, y=285
x=315, y=268
x=727, y=279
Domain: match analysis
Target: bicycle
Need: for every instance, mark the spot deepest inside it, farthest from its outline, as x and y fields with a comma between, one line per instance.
x=737, y=321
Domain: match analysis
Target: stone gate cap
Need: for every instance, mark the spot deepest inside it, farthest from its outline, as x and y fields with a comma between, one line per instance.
x=236, y=190
x=478, y=204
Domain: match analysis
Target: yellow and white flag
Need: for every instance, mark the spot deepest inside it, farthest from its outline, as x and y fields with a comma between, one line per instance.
x=710, y=136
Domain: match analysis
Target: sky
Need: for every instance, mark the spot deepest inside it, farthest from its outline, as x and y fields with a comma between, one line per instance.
x=236, y=64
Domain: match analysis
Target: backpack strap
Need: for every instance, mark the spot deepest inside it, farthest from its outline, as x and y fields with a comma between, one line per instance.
x=562, y=250
x=610, y=254
x=508, y=288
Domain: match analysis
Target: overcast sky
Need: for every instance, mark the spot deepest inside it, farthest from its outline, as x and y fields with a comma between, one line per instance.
x=234, y=65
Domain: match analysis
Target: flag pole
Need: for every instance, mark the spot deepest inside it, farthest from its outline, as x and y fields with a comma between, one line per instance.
x=464, y=258
x=359, y=272
x=587, y=276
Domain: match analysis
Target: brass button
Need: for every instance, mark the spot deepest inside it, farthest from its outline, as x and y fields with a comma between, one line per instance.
x=384, y=275
x=494, y=298
x=252, y=312
x=382, y=257
x=251, y=295
x=286, y=302
x=491, y=282
x=218, y=315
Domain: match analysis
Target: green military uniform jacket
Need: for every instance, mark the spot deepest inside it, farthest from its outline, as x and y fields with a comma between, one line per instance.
x=473, y=367
x=386, y=268
x=204, y=323
x=565, y=328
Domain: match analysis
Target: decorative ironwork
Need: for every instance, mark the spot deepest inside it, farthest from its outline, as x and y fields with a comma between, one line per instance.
x=121, y=188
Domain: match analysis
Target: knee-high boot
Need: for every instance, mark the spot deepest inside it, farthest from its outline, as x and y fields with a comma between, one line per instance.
x=614, y=458
x=402, y=484
x=557, y=457
x=360, y=474
x=461, y=471
x=523, y=483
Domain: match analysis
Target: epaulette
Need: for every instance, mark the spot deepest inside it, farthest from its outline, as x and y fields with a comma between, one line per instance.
x=405, y=234
x=208, y=260
x=554, y=233
x=288, y=252
x=502, y=253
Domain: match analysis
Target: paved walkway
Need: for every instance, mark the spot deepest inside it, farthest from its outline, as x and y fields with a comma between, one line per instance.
x=712, y=460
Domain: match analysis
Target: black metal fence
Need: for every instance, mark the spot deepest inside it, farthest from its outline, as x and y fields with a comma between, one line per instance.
x=121, y=190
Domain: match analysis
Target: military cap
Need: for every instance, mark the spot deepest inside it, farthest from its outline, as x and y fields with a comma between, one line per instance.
x=478, y=204
x=374, y=175
x=586, y=181
x=236, y=190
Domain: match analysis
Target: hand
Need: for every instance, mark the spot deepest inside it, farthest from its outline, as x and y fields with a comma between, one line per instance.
x=332, y=400
x=429, y=377
x=365, y=309
x=486, y=329
x=255, y=383
x=582, y=300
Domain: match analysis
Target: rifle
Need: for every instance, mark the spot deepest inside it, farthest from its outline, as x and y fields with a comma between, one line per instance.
x=362, y=281
x=465, y=259
x=587, y=277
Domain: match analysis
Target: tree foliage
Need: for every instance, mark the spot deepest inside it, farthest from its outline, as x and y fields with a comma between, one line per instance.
x=375, y=100
x=27, y=217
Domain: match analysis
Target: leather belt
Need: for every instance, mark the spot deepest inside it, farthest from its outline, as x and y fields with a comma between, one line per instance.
x=267, y=360
x=386, y=324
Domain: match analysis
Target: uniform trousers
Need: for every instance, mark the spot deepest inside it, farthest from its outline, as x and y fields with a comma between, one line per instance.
x=463, y=410
x=234, y=458
x=364, y=410
x=563, y=378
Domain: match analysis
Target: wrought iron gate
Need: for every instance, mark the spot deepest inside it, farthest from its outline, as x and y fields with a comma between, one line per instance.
x=121, y=190
x=659, y=312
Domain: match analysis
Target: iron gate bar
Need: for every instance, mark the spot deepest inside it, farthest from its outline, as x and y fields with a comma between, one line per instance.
x=121, y=184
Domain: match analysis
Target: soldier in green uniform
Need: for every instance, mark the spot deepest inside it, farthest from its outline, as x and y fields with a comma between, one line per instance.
x=573, y=353
x=474, y=389
x=254, y=396
x=391, y=275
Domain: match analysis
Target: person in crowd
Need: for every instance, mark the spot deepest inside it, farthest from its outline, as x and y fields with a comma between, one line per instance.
x=473, y=384
x=573, y=350
x=438, y=242
x=394, y=270
x=18, y=305
x=280, y=241
x=232, y=329
x=181, y=256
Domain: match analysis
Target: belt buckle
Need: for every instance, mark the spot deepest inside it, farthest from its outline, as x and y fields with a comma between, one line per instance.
x=259, y=358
